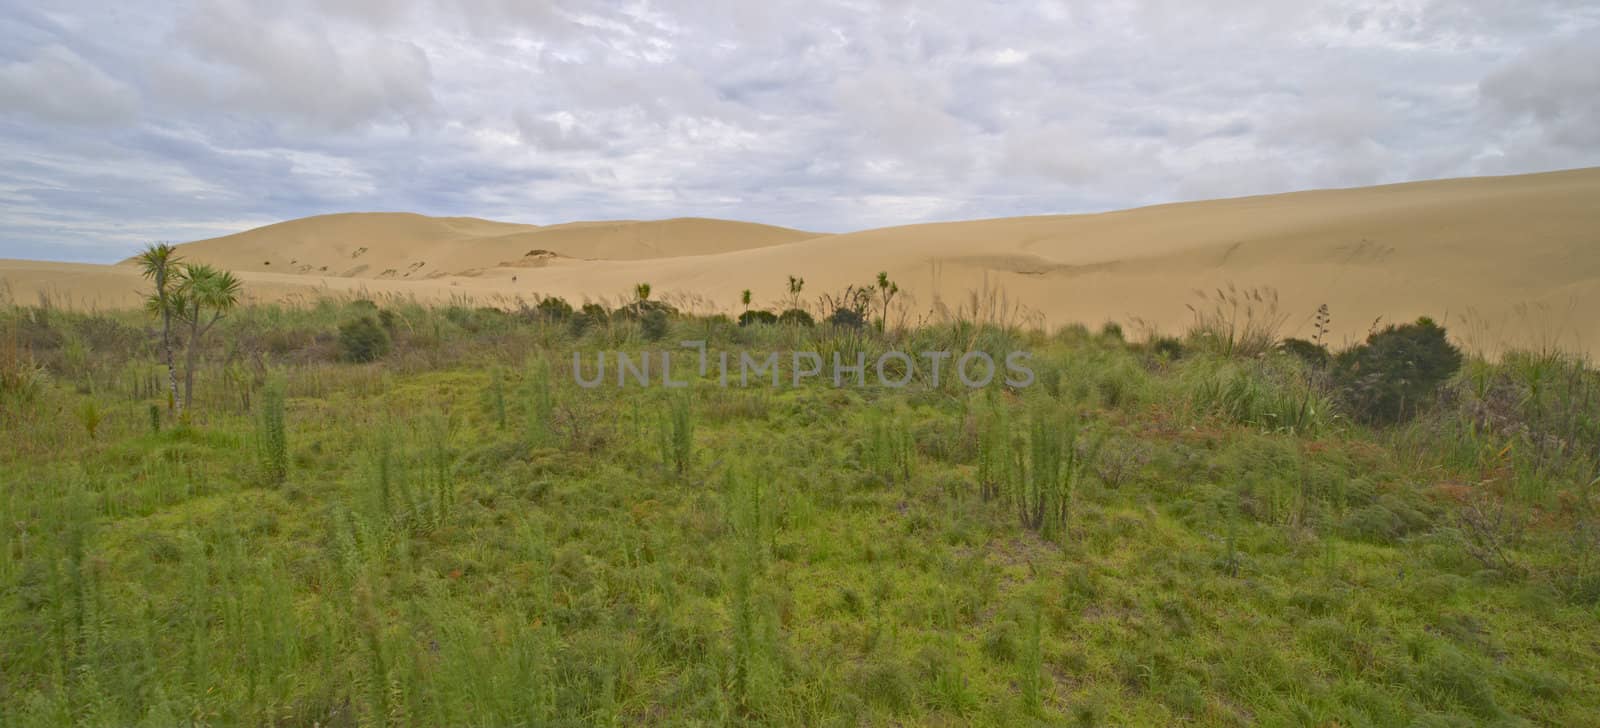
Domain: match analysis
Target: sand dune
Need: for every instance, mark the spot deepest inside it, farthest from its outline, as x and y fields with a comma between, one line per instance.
x=407, y=246
x=1504, y=260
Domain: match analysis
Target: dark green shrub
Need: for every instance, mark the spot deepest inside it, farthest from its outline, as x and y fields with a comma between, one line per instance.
x=651, y=315
x=654, y=325
x=1112, y=331
x=846, y=318
x=796, y=317
x=590, y=316
x=553, y=309
x=1167, y=347
x=757, y=317
x=1396, y=372
x=362, y=339
x=459, y=316
x=1313, y=354
x=638, y=310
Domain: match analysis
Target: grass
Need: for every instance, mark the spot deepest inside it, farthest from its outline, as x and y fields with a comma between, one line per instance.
x=458, y=534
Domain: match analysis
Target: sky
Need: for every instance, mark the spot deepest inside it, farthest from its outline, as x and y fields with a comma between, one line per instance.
x=123, y=124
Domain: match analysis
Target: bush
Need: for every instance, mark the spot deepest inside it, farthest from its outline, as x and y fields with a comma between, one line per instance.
x=1167, y=347
x=654, y=325
x=757, y=317
x=592, y=315
x=362, y=339
x=1396, y=372
x=553, y=309
x=1313, y=354
x=796, y=317
x=639, y=310
x=846, y=318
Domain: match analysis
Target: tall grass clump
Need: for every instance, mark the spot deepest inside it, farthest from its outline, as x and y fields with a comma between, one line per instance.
x=439, y=499
x=90, y=416
x=676, y=433
x=271, y=436
x=497, y=396
x=386, y=470
x=1274, y=393
x=992, y=422
x=888, y=448
x=1031, y=664
x=1046, y=478
x=750, y=519
x=1235, y=322
x=539, y=405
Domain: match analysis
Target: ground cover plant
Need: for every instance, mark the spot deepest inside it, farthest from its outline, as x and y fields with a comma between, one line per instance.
x=384, y=513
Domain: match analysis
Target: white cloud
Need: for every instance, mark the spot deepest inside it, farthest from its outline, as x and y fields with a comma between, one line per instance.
x=828, y=115
x=58, y=85
x=1555, y=87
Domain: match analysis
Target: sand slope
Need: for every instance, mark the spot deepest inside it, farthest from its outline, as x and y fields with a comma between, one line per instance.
x=1503, y=260
x=407, y=246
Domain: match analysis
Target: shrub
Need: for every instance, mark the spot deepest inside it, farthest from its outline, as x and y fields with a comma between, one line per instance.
x=1313, y=354
x=654, y=325
x=1167, y=347
x=553, y=309
x=846, y=318
x=796, y=317
x=757, y=317
x=362, y=339
x=849, y=307
x=1397, y=371
x=642, y=308
x=590, y=316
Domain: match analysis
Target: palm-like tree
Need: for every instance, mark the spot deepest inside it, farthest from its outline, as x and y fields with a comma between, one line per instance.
x=796, y=285
x=202, y=290
x=886, y=291
x=159, y=263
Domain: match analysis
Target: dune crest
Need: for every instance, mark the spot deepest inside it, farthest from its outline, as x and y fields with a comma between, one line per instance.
x=408, y=246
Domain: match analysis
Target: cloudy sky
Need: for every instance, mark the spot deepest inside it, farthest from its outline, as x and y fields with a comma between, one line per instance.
x=177, y=121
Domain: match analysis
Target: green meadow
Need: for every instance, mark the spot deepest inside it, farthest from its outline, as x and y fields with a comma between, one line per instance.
x=391, y=514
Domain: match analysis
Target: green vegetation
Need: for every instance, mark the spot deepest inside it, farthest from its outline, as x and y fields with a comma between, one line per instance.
x=362, y=339
x=1197, y=531
x=1396, y=372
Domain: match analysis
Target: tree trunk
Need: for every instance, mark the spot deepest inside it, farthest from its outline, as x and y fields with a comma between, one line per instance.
x=188, y=364
x=172, y=371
